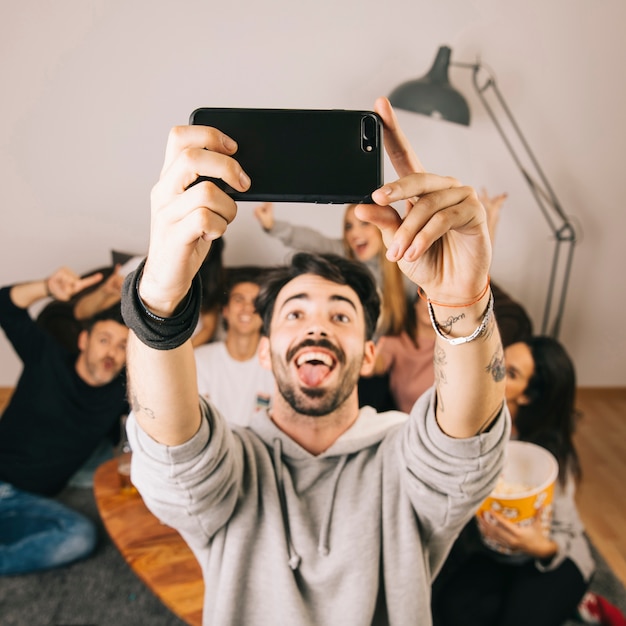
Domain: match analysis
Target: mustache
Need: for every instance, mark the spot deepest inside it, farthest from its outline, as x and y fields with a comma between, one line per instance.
x=108, y=362
x=317, y=343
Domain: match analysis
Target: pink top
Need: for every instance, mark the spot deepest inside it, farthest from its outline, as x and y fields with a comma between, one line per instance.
x=411, y=370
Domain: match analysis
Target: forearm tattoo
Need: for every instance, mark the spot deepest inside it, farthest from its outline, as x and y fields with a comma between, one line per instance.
x=138, y=408
x=439, y=361
x=496, y=366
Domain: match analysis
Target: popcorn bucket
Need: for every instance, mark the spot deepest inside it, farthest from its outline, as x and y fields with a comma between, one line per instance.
x=525, y=486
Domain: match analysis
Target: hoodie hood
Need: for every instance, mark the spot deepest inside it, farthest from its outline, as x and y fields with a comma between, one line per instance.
x=368, y=429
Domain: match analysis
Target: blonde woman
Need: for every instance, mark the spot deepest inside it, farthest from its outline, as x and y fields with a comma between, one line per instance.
x=362, y=242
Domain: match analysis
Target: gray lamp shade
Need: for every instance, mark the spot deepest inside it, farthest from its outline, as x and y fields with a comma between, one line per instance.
x=433, y=94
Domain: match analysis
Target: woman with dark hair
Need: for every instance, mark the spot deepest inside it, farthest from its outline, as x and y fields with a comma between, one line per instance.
x=548, y=576
x=541, y=394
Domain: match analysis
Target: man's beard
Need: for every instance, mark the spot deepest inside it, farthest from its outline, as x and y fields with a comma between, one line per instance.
x=317, y=401
x=99, y=373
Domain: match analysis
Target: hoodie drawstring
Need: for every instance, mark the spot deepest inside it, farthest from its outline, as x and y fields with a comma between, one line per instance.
x=323, y=543
x=294, y=557
x=322, y=546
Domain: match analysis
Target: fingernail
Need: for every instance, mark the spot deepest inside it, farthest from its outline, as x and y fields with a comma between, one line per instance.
x=409, y=255
x=386, y=190
x=392, y=251
x=244, y=180
x=228, y=143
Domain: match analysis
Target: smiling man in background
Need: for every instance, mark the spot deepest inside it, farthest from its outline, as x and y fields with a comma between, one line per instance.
x=230, y=375
x=62, y=408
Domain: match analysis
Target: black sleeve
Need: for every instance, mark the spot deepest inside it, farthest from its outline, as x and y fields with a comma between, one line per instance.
x=20, y=329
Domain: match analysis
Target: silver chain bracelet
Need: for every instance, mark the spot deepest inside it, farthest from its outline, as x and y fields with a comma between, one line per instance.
x=457, y=341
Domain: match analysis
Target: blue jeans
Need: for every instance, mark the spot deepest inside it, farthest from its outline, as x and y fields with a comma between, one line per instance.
x=38, y=533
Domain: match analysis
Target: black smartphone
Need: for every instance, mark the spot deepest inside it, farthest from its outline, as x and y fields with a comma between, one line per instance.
x=303, y=155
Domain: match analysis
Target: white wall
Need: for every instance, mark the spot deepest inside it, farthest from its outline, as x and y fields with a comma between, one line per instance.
x=91, y=87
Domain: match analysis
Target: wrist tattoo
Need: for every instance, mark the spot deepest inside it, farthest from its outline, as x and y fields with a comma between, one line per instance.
x=446, y=327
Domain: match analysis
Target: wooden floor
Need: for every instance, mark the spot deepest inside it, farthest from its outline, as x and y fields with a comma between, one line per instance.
x=601, y=443
x=155, y=552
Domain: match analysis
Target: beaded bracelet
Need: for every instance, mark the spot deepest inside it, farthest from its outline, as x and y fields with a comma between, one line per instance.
x=456, y=341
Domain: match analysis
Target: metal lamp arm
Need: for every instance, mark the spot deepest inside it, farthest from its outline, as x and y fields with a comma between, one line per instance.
x=545, y=197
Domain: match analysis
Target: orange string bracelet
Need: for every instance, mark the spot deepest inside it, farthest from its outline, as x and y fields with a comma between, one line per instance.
x=422, y=294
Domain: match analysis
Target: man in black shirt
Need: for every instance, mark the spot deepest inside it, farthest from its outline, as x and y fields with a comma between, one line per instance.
x=62, y=408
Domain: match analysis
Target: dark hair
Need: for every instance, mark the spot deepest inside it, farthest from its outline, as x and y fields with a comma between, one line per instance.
x=237, y=275
x=243, y=274
x=112, y=314
x=332, y=267
x=549, y=419
x=213, y=277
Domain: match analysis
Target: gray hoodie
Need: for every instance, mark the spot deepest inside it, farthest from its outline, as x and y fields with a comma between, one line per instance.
x=352, y=537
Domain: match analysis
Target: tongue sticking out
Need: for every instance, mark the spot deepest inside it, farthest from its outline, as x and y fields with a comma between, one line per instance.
x=313, y=373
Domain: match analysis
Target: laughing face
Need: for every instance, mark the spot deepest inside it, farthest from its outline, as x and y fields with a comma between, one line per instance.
x=316, y=345
x=363, y=238
x=239, y=313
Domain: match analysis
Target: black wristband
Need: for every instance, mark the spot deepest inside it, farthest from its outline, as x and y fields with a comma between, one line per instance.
x=160, y=333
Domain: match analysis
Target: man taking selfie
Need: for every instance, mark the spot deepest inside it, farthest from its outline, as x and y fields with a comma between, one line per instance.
x=318, y=513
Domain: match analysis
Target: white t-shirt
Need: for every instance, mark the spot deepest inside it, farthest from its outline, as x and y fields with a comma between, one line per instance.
x=238, y=389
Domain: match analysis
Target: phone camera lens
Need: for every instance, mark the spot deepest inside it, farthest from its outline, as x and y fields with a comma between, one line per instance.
x=368, y=133
x=368, y=128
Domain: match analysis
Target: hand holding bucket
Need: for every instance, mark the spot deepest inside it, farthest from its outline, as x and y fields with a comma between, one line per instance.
x=524, y=492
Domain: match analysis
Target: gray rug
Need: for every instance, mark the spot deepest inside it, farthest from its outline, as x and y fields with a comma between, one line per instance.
x=606, y=584
x=99, y=591
x=104, y=591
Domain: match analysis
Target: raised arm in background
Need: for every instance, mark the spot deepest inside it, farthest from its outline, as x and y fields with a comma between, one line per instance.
x=104, y=296
x=61, y=285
